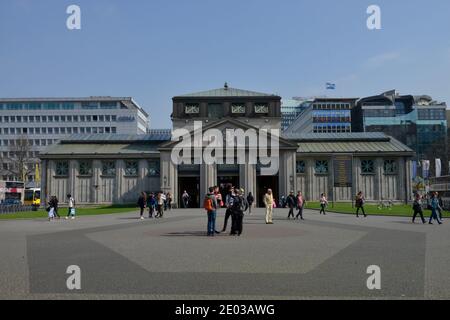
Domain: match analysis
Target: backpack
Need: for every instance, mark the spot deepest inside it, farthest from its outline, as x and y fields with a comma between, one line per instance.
x=208, y=204
x=239, y=204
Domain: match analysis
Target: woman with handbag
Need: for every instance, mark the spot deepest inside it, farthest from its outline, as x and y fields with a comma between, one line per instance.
x=360, y=200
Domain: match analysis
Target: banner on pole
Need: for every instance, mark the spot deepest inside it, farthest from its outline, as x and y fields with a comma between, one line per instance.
x=438, y=168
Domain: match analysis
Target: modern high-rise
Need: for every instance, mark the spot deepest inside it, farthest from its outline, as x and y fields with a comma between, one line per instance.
x=29, y=125
x=324, y=115
x=290, y=110
x=418, y=121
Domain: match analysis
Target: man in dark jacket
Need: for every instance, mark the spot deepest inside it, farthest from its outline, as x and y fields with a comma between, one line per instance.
x=228, y=202
x=291, y=203
x=54, y=204
x=238, y=207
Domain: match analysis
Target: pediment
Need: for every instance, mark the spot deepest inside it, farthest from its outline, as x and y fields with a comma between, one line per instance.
x=225, y=124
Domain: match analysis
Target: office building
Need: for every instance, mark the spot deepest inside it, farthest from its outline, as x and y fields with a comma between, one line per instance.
x=324, y=115
x=418, y=121
x=30, y=125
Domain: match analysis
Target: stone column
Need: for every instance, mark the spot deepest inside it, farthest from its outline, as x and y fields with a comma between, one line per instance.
x=119, y=181
x=169, y=174
x=73, y=177
x=378, y=193
x=309, y=183
x=96, y=176
x=247, y=178
x=208, y=178
x=50, y=177
x=44, y=182
x=287, y=173
x=401, y=177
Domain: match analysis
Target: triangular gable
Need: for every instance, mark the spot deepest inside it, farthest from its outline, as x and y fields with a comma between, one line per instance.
x=232, y=124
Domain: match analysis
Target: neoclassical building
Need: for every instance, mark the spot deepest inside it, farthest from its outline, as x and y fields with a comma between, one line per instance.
x=114, y=169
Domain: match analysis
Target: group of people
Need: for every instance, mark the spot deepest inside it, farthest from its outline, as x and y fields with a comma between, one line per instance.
x=157, y=204
x=52, y=208
x=236, y=205
x=293, y=202
x=434, y=203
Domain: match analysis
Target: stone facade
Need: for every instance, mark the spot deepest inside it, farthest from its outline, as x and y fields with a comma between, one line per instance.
x=120, y=170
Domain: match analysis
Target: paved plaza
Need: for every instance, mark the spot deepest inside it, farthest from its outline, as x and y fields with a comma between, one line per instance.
x=171, y=258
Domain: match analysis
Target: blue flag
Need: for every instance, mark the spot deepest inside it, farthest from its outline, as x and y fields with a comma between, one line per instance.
x=331, y=86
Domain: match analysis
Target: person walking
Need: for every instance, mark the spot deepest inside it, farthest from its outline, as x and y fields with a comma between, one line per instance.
x=434, y=209
x=323, y=204
x=240, y=205
x=151, y=205
x=360, y=200
x=434, y=204
x=441, y=205
x=71, y=211
x=250, y=201
x=160, y=205
x=291, y=202
x=55, y=207
x=169, y=199
x=210, y=205
x=185, y=199
x=417, y=207
x=300, y=205
x=228, y=203
x=142, y=202
x=269, y=202
x=51, y=209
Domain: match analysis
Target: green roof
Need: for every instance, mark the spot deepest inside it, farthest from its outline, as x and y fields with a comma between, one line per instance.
x=104, y=149
x=363, y=147
x=225, y=92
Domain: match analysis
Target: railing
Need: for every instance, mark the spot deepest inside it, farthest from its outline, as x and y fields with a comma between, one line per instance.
x=16, y=208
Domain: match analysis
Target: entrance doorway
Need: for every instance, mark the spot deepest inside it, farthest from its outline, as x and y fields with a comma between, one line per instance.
x=192, y=186
x=262, y=184
x=224, y=183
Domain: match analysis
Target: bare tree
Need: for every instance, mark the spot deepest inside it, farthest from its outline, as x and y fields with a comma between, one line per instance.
x=19, y=160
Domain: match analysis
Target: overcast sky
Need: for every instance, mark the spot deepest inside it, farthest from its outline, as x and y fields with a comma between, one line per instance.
x=153, y=50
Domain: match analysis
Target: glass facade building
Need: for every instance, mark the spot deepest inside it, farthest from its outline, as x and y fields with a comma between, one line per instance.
x=418, y=121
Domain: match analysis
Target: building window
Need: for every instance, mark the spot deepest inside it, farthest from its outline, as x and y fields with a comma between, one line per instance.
x=131, y=168
x=237, y=108
x=261, y=108
x=108, y=105
x=89, y=105
x=85, y=168
x=62, y=168
x=154, y=168
x=367, y=166
x=109, y=168
x=301, y=167
x=215, y=111
x=321, y=167
x=192, y=109
x=390, y=167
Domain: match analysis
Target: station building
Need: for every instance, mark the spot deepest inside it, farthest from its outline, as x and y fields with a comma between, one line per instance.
x=114, y=169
